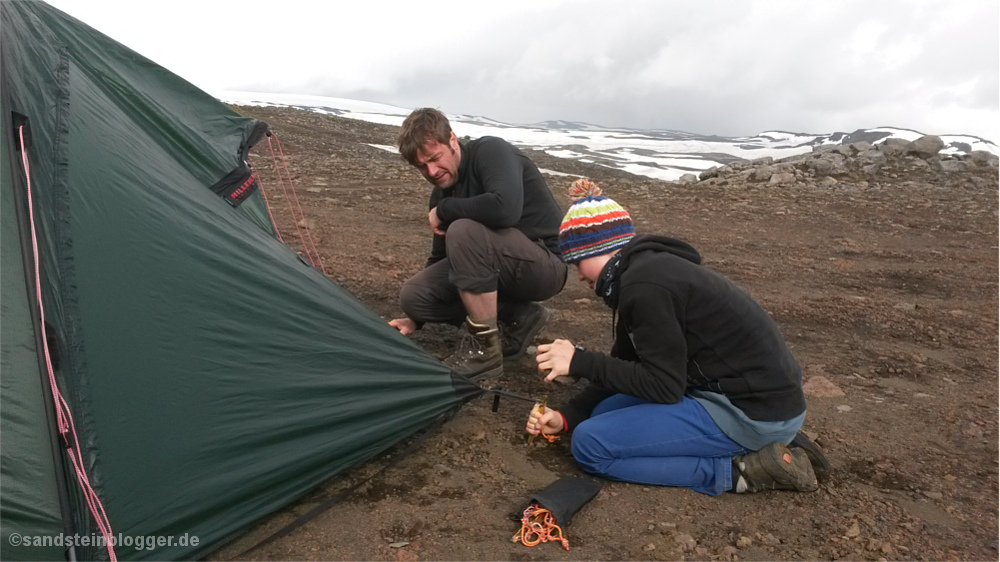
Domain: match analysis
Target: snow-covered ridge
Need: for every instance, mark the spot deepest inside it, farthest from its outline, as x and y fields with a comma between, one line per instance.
x=660, y=154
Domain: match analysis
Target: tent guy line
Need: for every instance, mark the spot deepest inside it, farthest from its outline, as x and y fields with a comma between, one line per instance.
x=64, y=417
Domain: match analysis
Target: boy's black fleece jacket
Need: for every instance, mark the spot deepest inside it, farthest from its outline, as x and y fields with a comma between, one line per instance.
x=682, y=326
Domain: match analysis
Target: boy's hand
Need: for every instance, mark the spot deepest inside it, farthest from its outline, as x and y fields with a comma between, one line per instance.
x=549, y=422
x=555, y=358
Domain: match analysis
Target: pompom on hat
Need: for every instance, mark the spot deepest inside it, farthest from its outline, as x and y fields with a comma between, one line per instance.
x=593, y=225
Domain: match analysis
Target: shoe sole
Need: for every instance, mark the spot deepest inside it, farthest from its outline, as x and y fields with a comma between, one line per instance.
x=817, y=458
x=535, y=329
x=797, y=472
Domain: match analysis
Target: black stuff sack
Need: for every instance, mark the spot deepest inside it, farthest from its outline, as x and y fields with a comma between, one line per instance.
x=552, y=508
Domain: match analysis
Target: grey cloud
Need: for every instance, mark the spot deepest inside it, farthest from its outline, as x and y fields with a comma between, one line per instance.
x=739, y=69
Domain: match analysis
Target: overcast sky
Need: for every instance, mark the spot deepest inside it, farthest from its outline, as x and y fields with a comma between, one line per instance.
x=723, y=67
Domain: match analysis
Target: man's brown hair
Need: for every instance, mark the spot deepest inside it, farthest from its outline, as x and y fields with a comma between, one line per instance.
x=422, y=125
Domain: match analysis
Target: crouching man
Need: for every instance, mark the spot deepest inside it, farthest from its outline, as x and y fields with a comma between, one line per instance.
x=495, y=249
x=700, y=389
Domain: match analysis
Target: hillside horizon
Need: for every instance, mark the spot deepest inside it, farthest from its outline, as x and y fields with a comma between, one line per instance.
x=659, y=154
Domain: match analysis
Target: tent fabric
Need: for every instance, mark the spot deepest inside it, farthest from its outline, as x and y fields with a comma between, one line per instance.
x=213, y=376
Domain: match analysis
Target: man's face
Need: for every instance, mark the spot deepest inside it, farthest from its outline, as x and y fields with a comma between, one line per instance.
x=439, y=162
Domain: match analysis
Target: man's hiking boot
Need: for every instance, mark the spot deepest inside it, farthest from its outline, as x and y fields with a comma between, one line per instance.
x=817, y=458
x=478, y=354
x=519, y=324
x=774, y=467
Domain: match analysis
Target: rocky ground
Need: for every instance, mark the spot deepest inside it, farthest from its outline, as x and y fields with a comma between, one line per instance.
x=882, y=275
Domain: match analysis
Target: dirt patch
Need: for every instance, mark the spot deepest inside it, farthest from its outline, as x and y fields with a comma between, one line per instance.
x=884, y=285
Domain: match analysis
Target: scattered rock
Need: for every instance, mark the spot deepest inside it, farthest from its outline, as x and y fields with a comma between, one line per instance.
x=782, y=179
x=685, y=541
x=925, y=147
x=894, y=146
x=954, y=166
x=769, y=539
x=821, y=387
x=973, y=430
x=405, y=555
x=762, y=174
x=983, y=159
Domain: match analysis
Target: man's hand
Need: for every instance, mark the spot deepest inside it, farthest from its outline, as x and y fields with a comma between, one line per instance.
x=555, y=358
x=435, y=221
x=549, y=422
x=404, y=325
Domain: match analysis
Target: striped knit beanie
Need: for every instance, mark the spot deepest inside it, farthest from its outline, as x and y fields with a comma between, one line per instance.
x=594, y=224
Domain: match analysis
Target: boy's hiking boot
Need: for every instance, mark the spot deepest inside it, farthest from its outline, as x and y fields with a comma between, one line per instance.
x=817, y=458
x=519, y=323
x=774, y=467
x=478, y=354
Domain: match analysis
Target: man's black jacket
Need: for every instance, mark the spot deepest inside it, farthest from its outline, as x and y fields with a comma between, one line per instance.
x=498, y=187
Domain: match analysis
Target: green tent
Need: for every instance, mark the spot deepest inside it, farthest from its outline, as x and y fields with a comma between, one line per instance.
x=212, y=376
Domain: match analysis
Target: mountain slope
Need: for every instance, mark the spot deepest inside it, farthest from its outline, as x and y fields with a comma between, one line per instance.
x=659, y=154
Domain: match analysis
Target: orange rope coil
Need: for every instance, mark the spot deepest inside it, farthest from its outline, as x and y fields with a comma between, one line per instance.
x=538, y=525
